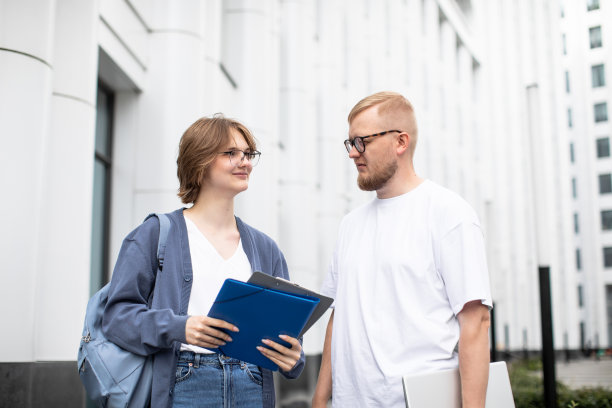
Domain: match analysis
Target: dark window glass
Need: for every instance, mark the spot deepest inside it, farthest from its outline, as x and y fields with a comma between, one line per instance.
x=598, y=75
x=580, y=299
x=564, y=43
x=595, y=37
x=605, y=183
x=592, y=5
x=572, y=159
x=601, y=112
x=603, y=147
x=578, y=259
x=574, y=188
x=607, y=254
x=569, y=118
x=576, y=224
x=606, y=220
x=101, y=190
x=609, y=312
x=567, y=82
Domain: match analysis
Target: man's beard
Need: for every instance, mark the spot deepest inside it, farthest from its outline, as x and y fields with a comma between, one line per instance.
x=377, y=179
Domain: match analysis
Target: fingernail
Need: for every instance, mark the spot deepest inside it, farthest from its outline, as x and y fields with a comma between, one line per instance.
x=229, y=339
x=265, y=341
x=260, y=348
x=282, y=336
x=235, y=329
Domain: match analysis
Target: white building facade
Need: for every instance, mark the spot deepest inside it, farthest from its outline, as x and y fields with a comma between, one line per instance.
x=587, y=57
x=95, y=95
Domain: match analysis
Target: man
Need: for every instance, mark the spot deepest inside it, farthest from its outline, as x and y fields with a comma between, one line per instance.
x=408, y=275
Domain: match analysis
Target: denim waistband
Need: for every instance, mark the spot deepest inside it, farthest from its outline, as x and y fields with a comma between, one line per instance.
x=205, y=358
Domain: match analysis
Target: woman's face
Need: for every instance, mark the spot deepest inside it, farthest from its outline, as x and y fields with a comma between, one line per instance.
x=230, y=176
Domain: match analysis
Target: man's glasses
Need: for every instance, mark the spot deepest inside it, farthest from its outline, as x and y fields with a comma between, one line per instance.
x=357, y=141
x=236, y=157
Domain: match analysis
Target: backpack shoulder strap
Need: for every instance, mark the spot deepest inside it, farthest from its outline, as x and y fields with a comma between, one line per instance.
x=164, y=228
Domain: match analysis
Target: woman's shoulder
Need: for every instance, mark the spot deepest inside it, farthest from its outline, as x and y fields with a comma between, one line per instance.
x=259, y=238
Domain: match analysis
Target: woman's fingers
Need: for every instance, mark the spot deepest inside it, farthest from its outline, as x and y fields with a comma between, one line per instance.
x=286, y=358
x=204, y=331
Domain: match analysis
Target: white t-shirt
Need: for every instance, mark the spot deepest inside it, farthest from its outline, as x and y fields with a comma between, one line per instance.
x=402, y=269
x=209, y=272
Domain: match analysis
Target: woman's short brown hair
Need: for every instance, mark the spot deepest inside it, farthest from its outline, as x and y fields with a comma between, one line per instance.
x=199, y=147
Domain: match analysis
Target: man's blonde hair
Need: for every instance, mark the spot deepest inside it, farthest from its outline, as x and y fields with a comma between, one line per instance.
x=387, y=102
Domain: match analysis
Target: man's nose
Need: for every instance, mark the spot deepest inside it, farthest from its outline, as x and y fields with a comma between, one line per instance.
x=353, y=154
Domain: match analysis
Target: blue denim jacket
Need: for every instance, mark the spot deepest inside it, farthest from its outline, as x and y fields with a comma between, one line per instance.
x=160, y=330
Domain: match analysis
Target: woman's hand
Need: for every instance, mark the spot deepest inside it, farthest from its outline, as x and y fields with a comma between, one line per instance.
x=285, y=358
x=203, y=331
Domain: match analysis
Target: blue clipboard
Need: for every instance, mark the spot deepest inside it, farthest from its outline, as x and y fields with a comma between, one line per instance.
x=259, y=313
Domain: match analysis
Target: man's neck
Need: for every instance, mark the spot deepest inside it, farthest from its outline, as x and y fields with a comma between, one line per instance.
x=400, y=184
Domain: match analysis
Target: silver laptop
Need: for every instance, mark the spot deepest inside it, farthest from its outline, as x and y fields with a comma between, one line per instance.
x=443, y=389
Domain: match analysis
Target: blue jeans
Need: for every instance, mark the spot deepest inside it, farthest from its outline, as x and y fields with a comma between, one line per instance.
x=213, y=380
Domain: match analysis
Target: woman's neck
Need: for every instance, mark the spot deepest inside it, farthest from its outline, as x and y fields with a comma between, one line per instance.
x=213, y=212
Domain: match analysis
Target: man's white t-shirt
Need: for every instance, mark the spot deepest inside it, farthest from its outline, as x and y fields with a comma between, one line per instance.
x=403, y=268
x=210, y=270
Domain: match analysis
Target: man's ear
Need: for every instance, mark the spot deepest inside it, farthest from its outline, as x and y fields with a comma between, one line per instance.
x=403, y=142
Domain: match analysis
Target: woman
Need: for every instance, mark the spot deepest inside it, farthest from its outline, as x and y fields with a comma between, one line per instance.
x=206, y=244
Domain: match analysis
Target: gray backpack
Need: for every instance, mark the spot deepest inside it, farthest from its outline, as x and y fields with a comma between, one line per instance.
x=114, y=377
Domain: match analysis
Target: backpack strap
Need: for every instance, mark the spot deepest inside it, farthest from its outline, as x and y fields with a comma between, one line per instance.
x=164, y=228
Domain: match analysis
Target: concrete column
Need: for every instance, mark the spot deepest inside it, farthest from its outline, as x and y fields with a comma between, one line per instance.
x=172, y=100
x=26, y=54
x=298, y=137
x=250, y=41
x=66, y=203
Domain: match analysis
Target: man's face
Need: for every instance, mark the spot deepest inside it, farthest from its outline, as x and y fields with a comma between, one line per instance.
x=377, y=164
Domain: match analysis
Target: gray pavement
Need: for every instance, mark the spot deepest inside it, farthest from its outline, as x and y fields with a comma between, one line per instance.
x=585, y=373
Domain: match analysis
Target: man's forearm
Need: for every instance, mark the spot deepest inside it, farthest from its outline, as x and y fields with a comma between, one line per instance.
x=474, y=355
x=323, y=390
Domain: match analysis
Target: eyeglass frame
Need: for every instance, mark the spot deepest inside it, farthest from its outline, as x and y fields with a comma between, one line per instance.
x=255, y=154
x=350, y=143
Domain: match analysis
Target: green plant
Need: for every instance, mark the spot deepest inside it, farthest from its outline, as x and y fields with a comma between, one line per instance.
x=528, y=389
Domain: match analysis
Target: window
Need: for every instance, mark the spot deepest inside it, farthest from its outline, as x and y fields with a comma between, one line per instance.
x=101, y=189
x=572, y=159
x=592, y=5
x=574, y=188
x=567, y=82
x=564, y=43
x=576, y=224
x=598, y=77
x=605, y=183
x=580, y=298
x=603, y=147
x=601, y=111
x=569, y=118
x=607, y=254
x=609, y=312
x=606, y=220
x=578, y=260
x=595, y=36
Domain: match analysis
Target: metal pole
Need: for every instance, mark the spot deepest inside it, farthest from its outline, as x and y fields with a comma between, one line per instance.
x=548, y=351
x=493, y=339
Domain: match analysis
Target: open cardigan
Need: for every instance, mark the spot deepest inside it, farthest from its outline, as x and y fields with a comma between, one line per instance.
x=160, y=329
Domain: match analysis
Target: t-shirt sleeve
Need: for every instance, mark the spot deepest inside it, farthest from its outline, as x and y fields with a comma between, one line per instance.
x=330, y=283
x=463, y=265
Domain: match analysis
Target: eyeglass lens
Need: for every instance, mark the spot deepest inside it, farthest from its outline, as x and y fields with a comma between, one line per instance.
x=237, y=157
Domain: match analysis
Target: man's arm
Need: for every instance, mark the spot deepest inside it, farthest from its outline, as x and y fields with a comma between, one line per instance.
x=323, y=390
x=474, y=353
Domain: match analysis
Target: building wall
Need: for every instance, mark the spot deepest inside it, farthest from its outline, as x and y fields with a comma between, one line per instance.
x=578, y=59
x=481, y=75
